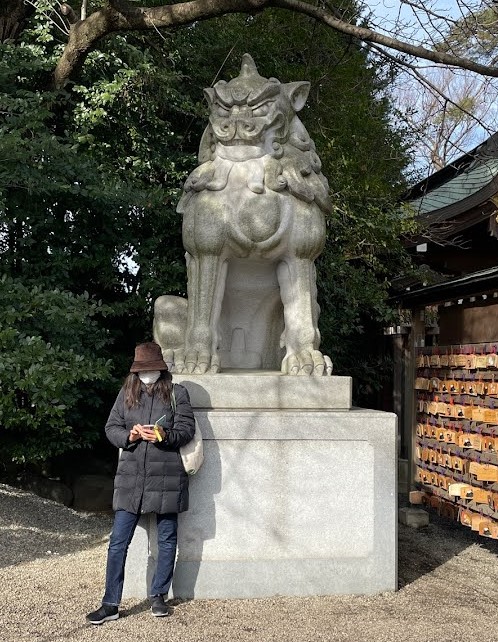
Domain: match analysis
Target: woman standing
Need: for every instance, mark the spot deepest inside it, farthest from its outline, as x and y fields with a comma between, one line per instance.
x=150, y=477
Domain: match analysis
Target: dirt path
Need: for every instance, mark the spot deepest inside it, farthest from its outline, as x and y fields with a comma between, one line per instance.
x=52, y=572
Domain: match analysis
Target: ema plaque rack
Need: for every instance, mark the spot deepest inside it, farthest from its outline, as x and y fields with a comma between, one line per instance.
x=456, y=433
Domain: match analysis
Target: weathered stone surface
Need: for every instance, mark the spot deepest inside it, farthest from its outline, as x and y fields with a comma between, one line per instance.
x=287, y=503
x=298, y=492
x=253, y=225
x=414, y=517
x=270, y=390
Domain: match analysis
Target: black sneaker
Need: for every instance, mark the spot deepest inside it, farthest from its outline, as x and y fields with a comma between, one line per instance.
x=104, y=614
x=158, y=607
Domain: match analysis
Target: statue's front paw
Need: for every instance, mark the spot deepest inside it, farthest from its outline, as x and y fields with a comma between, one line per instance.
x=307, y=362
x=198, y=362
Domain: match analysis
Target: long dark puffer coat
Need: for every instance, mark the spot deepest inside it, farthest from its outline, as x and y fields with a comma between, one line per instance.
x=150, y=477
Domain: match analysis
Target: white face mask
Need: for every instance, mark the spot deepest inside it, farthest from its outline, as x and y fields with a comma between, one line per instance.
x=149, y=376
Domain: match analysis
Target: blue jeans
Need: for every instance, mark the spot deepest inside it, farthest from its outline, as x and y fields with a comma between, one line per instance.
x=121, y=536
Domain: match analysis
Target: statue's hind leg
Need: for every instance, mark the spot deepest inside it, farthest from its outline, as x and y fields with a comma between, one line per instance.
x=301, y=338
x=206, y=287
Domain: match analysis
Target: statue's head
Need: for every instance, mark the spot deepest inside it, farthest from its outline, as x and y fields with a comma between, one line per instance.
x=252, y=110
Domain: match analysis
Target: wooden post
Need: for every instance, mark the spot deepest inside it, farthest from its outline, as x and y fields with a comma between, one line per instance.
x=417, y=340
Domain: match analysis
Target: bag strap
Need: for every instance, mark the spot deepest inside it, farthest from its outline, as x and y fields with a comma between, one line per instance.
x=172, y=398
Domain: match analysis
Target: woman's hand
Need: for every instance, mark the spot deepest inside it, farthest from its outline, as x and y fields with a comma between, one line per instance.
x=148, y=433
x=135, y=433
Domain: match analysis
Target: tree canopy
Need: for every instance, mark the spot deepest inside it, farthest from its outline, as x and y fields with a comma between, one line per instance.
x=50, y=371
x=92, y=166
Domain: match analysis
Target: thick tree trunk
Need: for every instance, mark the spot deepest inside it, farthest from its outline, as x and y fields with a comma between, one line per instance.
x=120, y=16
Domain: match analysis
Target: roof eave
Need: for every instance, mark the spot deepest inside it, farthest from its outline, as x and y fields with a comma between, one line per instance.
x=469, y=285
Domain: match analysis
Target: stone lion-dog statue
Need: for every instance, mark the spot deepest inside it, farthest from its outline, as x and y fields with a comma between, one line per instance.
x=253, y=224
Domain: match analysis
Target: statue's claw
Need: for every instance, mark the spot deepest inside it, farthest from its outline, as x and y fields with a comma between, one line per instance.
x=328, y=365
x=215, y=364
x=175, y=360
x=306, y=363
x=290, y=365
x=169, y=359
x=197, y=362
x=318, y=363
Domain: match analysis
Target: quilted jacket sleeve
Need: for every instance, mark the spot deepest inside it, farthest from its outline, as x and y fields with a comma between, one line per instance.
x=115, y=428
x=183, y=429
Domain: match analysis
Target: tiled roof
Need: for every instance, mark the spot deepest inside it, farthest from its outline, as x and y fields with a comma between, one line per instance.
x=464, y=184
x=459, y=188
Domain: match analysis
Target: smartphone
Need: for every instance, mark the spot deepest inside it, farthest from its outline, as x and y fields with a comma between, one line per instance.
x=155, y=428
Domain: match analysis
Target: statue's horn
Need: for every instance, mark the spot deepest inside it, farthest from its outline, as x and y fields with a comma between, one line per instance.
x=248, y=66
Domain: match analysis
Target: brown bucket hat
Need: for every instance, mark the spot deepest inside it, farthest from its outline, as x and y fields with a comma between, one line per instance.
x=148, y=356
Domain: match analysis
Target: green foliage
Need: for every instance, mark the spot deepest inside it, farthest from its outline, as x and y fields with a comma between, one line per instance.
x=88, y=186
x=90, y=178
x=50, y=379
x=474, y=35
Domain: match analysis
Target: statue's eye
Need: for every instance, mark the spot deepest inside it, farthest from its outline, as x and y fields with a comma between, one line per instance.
x=261, y=111
x=221, y=111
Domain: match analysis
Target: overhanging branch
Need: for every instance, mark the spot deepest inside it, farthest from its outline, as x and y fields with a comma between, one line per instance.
x=120, y=16
x=368, y=35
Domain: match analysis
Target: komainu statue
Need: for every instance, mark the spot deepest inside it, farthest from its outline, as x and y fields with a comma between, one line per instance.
x=253, y=224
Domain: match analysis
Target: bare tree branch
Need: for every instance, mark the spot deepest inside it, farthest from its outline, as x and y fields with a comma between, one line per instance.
x=68, y=12
x=120, y=16
x=368, y=35
x=84, y=7
x=51, y=17
x=445, y=112
x=427, y=10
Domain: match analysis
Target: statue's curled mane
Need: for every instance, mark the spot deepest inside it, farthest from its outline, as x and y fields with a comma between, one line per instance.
x=293, y=166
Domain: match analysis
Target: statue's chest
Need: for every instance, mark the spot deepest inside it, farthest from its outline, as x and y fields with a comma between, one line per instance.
x=257, y=216
x=250, y=207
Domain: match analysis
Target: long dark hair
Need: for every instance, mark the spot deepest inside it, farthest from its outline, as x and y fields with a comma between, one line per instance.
x=133, y=386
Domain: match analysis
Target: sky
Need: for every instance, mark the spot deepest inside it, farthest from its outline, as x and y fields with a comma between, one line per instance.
x=416, y=21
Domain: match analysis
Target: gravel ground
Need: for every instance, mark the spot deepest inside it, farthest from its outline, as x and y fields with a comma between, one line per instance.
x=52, y=572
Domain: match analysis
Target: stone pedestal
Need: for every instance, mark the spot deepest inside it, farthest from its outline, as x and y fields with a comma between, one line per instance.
x=297, y=495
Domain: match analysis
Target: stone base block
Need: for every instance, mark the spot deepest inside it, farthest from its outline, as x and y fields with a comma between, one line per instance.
x=415, y=496
x=414, y=517
x=288, y=502
x=266, y=389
